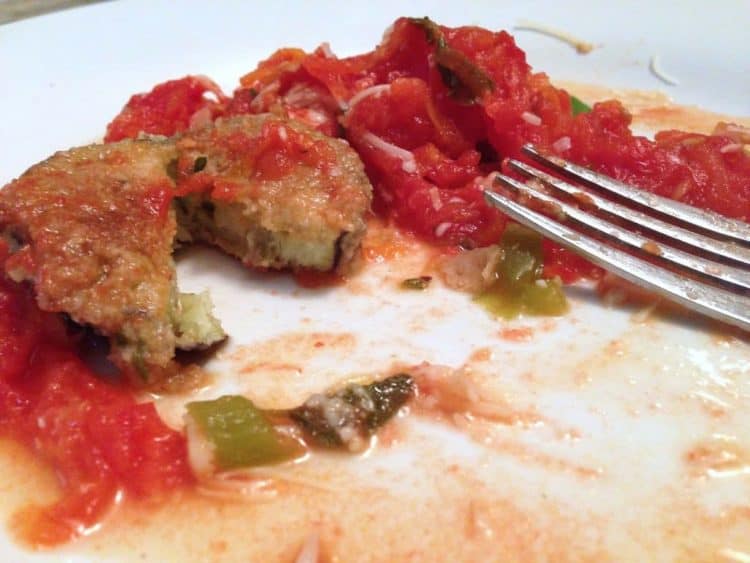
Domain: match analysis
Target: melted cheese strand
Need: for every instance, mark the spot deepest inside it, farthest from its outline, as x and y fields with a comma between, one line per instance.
x=376, y=90
x=408, y=163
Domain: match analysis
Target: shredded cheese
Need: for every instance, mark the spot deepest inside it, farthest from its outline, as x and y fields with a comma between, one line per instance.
x=325, y=47
x=656, y=70
x=531, y=118
x=471, y=271
x=301, y=96
x=315, y=117
x=408, y=163
x=442, y=228
x=376, y=90
x=581, y=47
x=258, y=101
x=731, y=147
x=338, y=415
x=435, y=198
x=562, y=144
x=201, y=451
x=644, y=314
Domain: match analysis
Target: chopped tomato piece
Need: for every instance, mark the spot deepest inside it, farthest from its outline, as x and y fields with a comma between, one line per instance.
x=168, y=109
x=432, y=110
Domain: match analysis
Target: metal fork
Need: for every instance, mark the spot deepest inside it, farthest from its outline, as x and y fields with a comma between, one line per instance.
x=713, y=282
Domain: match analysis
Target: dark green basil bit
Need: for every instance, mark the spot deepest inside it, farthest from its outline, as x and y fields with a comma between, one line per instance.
x=431, y=30
x=422, y=282
x=200, y=163
x=579, y=106
x=240, y=433
x=359, y=408
x=466, y=82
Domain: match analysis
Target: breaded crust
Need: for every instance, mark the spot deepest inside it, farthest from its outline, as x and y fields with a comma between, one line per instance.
x=94, y=232
x=273, y=192
x=93, y=228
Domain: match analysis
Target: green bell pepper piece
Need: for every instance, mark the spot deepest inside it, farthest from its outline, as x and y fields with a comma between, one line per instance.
x=240, y=433
x=519, y=287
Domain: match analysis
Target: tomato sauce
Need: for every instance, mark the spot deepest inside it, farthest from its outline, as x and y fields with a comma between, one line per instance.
x=446, y=107
x=100, y=441
x=270, y=155
x=431, y=111
x=169, y=108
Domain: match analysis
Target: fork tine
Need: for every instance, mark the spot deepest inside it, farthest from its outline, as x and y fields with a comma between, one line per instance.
x=720, y=249
x=712, y=222
x=711, y=301
x=709, y=268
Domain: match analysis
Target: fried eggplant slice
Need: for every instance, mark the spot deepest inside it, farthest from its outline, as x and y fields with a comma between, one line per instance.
x=93, y=231
x=272, y=192
x=93, y=228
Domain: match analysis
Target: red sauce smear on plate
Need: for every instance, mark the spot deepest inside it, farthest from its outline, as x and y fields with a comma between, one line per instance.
x=100, y=441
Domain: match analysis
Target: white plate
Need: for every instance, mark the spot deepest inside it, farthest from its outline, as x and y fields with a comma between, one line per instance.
x=68, y=73
x=621, y=433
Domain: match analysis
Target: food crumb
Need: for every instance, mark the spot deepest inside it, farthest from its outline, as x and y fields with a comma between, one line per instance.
x=516, y=334
x=652, y=248
x=483, y=354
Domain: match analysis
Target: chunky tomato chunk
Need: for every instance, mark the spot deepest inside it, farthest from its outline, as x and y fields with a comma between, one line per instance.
x=432, y=110
x=169, y=108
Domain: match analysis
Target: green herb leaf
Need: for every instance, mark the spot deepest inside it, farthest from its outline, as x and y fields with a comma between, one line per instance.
x=422, y=282
x=338, y=419
x=466, y=82
x=578, y=106
x=431, y=30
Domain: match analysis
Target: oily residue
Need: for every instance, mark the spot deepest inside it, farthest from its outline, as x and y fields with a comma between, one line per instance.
x=654, y=110
x=720, y=456
x=281, y=372
x=289, y=352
